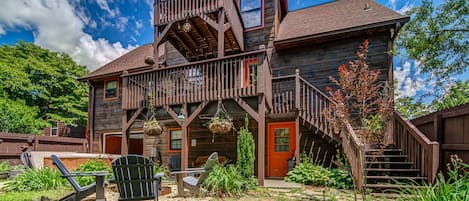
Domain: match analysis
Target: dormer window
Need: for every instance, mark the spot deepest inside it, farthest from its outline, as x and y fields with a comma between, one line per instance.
x=110, y=89
x=251, y=11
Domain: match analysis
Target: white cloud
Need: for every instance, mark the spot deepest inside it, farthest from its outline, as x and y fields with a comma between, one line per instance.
x=393, y=4
x=408, y=82
x=2, y=31
x=138, y=24
x=105, y=6
x=57, y=27
x=405, y=8
x=121, y=23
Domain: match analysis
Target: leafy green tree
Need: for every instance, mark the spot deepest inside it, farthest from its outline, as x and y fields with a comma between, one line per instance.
x=410, y=108
x=17, y=117
x=437, y=36
x=245, y=150
x=458, y=94
x=44, y=81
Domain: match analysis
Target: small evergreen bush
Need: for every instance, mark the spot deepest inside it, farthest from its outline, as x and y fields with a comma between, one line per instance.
x=245, y=151
x=37, y=180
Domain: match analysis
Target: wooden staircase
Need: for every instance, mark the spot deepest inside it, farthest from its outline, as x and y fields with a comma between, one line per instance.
x=412, y=158
x=389, y=169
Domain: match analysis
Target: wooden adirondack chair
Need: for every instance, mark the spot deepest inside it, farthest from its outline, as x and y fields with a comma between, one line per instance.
x=193, y=183
x=134, y=177
x=81, y=192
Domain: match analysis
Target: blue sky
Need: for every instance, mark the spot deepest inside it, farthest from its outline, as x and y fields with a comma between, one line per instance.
x=95, y=32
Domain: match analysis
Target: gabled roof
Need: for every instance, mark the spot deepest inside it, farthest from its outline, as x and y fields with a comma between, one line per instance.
x=134, y=59
x=335, y=17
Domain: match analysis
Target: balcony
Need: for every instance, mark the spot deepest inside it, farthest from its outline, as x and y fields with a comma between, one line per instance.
x=241, y=75
x=200, y=29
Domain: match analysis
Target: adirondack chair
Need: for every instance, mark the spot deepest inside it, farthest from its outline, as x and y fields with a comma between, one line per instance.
x=134, y=177
x=193, y=183
x=80, y=192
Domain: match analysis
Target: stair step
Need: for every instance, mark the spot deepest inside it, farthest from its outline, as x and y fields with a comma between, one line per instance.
x=390, y=170
x=388, y=162
x=385, y=156
x=396, y=177
x=384, y=150
x=391, y=186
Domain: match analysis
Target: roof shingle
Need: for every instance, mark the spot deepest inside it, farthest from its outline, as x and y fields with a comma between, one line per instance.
x=131, y=60
x=334, y=16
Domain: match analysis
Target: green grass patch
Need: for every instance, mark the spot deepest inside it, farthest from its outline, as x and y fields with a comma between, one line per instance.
x=34, y=195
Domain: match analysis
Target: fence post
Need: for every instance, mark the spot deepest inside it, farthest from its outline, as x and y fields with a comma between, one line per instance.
x=438, y=131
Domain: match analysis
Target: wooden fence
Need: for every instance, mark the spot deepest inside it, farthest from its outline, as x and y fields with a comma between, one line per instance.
x=450, y=128
x=12, y=143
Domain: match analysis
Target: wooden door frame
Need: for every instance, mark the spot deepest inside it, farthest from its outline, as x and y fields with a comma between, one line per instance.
x=289, y=123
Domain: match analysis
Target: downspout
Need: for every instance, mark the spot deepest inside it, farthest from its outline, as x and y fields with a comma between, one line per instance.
x=91, y=111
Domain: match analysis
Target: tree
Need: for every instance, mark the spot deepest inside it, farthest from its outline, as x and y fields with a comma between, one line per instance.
x=458, y=94
x=245, y=151
x=438, y=37
x=44, y=81
x=18, y=117
x=361, y=99
x=411, y=109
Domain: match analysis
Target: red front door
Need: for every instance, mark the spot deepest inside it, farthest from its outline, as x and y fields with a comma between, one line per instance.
x=281, y=147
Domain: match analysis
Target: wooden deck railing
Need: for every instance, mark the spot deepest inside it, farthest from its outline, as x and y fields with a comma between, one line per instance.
x=419, y=149
x=295, y=94
x=175, y=10
x=240, y=75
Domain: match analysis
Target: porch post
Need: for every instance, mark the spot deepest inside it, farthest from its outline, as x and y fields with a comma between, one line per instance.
x=261, y=142
x=125, y=139
x=297, y=140
x=184, y=147
x=156, y=18
x=221, y=33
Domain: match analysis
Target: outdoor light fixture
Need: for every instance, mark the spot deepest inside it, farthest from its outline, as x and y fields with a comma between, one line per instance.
x=181, y=116
x=186, y=27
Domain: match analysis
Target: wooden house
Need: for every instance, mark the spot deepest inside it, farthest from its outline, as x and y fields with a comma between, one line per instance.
x=259, y=59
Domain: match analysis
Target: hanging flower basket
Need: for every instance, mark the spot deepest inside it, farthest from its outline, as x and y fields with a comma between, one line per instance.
x=220, y=126
x=152, y=128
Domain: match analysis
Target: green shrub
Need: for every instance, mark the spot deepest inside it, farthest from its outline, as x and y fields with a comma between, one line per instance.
x=37, y=180
x=4, y=167
x=245, y=151
x=455, y=187
x=309, y=174
x=227, y=181
x=340, y=179
x=91, y=166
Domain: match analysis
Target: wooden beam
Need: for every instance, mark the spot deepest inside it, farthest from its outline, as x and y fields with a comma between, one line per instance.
x=221, y=33
x=297, y=140
x=261, y=142
x=195, y=113
x=178, y=38
x=209, y=21
x=165, y=32
x=133, y=118
x=247, y=108
x=198, y=32
x=226, y=27
x=125, y=137
x=173, y=114
x=185, y=140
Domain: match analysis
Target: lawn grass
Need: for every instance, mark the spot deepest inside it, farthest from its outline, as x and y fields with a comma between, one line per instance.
x=34, y=195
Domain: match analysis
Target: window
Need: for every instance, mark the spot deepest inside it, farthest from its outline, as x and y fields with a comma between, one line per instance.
x=110, y=89
x=175, y=139
x=251, y=11
x=53, y=130
x=282, y=139
x=248, y=72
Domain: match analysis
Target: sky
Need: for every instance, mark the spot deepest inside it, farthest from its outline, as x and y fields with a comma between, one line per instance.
x=94, y=32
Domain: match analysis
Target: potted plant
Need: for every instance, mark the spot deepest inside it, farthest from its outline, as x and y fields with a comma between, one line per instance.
x=221, y=122
x=151, y=126
x=4, y=169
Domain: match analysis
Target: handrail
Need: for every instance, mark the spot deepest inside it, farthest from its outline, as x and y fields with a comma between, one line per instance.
x=421, y=151
x=176, y=10
x=293, y=93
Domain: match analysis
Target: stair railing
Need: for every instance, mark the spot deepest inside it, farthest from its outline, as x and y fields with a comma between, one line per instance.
x=422, y=152
x=294, y=93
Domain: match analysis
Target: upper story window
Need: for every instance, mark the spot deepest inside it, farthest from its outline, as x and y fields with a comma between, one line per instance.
x=110, y=89
x=251, y=11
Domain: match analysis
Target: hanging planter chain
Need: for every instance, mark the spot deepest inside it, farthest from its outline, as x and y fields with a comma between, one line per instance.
x=221, y=122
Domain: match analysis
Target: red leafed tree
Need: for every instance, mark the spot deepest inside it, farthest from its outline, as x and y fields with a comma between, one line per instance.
x=361, y=99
